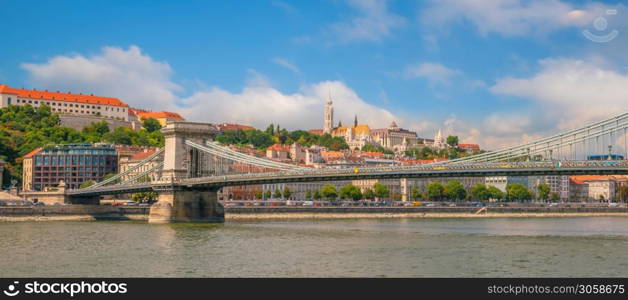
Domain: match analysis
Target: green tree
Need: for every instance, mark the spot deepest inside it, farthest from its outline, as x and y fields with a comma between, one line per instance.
x=317, y=195
x=480, y=192
x=308, y=194
x=454, y=190
x=151, y=124
x=259, y=195
x=277, y=194
x=543, y=191
x=415, y=194
x=381, y=191
x=435, y=191
x=329, y=191
x=452, y=141
x=350, y=191
x=518, y=192
x=94, y=131
x=87, y=184
x=286, y=193
x=368, y=194
x=495, y=193
x=267, y=194
x=623, y=193
x=555, y=197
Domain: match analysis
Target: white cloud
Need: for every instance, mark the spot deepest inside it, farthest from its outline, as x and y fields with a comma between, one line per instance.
x=286, y=64
x=373, y=23
x=572, y=92
x=260, y=106
x=435, y=73
x=142, y=82
x=511, y=17
x=116, y=72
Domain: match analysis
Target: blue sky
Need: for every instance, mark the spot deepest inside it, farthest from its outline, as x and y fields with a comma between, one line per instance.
x=493, y=72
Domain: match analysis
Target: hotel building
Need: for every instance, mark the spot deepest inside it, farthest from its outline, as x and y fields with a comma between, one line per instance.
x=75, y=164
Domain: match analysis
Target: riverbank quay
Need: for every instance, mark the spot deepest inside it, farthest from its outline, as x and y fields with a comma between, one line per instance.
x=137, y=213
x=72, y=213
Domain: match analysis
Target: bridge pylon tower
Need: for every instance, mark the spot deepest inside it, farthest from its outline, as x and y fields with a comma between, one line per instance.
x=177, y=203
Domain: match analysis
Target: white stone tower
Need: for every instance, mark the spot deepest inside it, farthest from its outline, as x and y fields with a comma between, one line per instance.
x=439, y=141
x=329, y=116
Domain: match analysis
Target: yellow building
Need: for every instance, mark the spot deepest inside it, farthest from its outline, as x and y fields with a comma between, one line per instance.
x=162, y=116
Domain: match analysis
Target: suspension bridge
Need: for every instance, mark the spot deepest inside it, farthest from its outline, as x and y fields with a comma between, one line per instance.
x=191, y=168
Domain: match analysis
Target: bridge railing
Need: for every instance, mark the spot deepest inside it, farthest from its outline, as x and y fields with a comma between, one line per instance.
x=426, y=168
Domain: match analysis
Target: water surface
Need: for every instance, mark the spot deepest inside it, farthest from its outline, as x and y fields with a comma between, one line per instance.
x=491, y=247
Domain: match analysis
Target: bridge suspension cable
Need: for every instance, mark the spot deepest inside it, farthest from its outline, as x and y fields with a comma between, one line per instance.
x=128, y=171
x=235, y=156
x=556, y=142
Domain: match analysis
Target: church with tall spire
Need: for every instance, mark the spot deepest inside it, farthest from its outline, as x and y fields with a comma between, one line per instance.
x=358, y=135
x=328, y=124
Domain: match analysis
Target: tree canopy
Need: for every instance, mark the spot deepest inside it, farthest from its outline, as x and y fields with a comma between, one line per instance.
x=274, y=134
x=24, y=128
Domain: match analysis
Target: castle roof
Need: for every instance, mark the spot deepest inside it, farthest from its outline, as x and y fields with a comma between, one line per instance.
x=59, y=96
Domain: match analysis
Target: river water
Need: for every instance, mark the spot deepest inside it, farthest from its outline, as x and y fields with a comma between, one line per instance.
x=490, y=247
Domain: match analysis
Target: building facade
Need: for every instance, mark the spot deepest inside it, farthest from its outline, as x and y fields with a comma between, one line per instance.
x=395, y=138
x=75, y=164
x=65, y=103
x=163, y=117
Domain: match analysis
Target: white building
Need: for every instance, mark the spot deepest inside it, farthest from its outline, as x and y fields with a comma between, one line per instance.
x=65, y=103
x=439, y=141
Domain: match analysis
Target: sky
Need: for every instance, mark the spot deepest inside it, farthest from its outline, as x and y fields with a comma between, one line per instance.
x=493, y=72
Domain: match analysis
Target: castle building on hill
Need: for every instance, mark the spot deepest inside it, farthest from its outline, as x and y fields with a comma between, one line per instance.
x=359, y=135
x=65, y=103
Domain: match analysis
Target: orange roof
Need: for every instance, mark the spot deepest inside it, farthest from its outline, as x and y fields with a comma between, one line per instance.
x=316, y=131
x=469, y=146
x=332, y=155
x=30, y=154
x=58, y=96
x=279, y=147
x=142, y=155
x=373, y=154
x=585, y=178
x=158, y=115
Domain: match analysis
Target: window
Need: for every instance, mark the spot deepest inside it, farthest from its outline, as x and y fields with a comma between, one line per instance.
x=9, y=101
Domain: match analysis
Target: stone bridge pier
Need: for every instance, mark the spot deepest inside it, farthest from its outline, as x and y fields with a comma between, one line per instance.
x=178, y=203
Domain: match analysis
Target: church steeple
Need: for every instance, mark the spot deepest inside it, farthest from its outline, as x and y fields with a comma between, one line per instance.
x=355, y=122
x=328, y=118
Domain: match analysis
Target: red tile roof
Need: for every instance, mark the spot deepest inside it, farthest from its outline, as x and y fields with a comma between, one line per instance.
x=158, y=115
x=30, y=154
x=142, y=155
x=279, y=147
x=316, y=131
x=474, y=147
x=58, y=96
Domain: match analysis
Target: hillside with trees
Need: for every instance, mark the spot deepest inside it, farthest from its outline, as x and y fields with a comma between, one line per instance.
x=24, y=128
x=276, y=135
